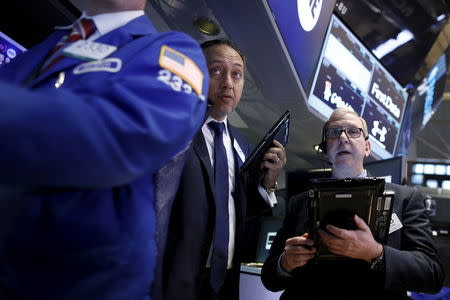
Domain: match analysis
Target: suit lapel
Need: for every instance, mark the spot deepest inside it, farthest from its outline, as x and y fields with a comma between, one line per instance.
x=199, y=146
x=36, y=56
x=239, y=194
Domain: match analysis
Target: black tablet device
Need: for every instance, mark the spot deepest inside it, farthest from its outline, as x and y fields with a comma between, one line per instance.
x=336, y=201
x=250, y=169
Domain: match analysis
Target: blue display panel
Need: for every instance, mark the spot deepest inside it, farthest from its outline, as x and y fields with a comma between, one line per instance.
x=382, y=128
x=9, y=49
x=302, y=25
x=349, y=76
x=336, y=90
x=429, y=94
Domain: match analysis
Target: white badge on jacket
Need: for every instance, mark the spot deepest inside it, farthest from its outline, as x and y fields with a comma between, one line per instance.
x=87, y=50
x=395, y=223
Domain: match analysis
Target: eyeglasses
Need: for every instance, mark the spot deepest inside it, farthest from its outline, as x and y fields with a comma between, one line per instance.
x=335, y=132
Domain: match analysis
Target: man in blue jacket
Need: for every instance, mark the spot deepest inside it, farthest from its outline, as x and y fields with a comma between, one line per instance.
x=84, y=127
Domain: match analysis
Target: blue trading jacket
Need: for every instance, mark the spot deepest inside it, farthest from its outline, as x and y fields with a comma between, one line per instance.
x=77, y=218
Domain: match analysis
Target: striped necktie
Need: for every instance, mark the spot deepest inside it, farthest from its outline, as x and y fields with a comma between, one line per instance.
x=82, y=29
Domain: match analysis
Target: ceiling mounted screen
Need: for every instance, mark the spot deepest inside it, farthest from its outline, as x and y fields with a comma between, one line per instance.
x=349, y=76
x=301, y=26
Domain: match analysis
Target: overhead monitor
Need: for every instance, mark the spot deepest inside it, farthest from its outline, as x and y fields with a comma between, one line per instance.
x=392, y=170
x=433, y=174
x=429, y=94
x=9, y=49
x=349, y=76
x=439, y=208
x=301, y=26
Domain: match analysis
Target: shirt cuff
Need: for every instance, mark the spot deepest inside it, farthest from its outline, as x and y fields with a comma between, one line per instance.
x=270, y=198
x=280, y=270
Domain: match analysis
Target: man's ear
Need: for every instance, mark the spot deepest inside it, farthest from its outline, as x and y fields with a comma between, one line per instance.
x=367, y=149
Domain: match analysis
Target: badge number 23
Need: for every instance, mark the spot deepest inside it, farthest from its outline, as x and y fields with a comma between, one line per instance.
x=174, y=81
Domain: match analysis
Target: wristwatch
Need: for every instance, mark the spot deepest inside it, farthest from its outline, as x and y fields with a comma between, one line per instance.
x=377, y=262
x=272, y=189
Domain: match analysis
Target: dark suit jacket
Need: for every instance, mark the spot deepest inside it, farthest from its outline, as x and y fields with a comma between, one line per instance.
x=411, y=261
x=192, y=222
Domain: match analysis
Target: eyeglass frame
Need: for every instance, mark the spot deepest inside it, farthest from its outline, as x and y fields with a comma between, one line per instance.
x=345, y=130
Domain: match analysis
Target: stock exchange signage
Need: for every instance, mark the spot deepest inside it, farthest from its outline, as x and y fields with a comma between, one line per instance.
x=302, y=25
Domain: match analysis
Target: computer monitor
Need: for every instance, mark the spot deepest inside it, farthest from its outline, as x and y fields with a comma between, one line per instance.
x=428, y=94
x=392, y=170
x=350, y=76
x=9, y=49
x=439, y=210
x=269, y=228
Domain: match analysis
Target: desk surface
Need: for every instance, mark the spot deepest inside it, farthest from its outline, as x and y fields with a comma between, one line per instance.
x=251, y=287
x=251, y=268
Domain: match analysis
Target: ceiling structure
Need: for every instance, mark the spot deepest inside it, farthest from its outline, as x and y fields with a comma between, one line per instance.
x=271, y=87
x=375, y=21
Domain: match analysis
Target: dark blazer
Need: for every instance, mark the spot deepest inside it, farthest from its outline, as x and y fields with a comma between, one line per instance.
x=192, y=221
x=411, y=261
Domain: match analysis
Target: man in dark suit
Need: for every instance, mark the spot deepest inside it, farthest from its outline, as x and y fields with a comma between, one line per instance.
x=408, y=262
x=86, y=126
x=197, y=266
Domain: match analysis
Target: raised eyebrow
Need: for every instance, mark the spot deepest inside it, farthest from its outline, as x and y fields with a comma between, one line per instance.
x=239, y=65
x=219, y=61
x=214, y=61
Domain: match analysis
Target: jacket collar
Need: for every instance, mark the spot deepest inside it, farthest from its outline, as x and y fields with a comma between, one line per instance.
x=118, y=37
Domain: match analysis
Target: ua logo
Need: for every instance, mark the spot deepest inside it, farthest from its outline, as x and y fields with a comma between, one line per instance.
x=376, y=130
x=308, y=13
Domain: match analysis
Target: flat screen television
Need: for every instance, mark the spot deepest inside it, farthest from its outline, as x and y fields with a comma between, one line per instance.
x=428, y=94
x=9, y=49
x=349, y=76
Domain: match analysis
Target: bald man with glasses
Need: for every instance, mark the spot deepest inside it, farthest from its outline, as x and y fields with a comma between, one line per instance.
x=407, y=262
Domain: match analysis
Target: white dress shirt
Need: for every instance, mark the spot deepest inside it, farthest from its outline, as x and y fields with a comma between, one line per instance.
x=108, y=22
x=270, y=198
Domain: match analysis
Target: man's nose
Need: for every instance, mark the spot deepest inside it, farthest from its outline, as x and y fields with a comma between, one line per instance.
x=343, y=137
x=227, y=81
